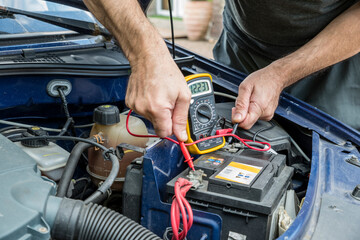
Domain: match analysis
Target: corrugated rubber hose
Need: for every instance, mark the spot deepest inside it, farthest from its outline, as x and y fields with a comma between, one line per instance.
x=75, y=220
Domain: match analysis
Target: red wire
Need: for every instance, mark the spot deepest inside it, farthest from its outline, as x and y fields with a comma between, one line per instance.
x=174, y=212
x=203, y=139
x=144, y=136
x=180, y=204
x=238, y=138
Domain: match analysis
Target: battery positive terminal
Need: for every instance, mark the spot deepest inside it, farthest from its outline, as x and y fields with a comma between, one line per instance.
x=196, y=178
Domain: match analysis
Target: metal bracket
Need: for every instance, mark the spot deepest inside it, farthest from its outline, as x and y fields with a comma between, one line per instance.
x=121, y=146
x=354, y=161
x=29, y=53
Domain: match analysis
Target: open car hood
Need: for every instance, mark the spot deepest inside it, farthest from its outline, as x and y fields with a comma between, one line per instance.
x=80, y=4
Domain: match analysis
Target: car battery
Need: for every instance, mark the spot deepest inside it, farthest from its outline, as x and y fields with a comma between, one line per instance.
x=245, y=189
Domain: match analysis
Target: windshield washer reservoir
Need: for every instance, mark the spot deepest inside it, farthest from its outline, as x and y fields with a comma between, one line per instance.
x=51, y=159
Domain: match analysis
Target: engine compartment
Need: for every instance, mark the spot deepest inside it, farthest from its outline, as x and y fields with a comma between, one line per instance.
x=220, y=206
x=252, y=207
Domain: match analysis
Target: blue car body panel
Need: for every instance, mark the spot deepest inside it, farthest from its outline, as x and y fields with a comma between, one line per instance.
x=23, y=97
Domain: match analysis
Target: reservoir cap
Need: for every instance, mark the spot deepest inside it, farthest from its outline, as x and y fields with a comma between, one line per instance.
x=34, y=132
x=106, y=115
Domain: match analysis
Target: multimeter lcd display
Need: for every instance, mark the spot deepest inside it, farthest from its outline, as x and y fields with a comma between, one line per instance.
x=199, y=87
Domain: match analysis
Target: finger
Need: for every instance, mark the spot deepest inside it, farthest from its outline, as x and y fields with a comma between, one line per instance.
x=180, y=115
x=253, y=115
x=242, y=103
x=162, y=123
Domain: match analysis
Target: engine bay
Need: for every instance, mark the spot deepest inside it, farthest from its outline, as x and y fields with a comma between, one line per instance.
x=76, y=163
x=237, y=192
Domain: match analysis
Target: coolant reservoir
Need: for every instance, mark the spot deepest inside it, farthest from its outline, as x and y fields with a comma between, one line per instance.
x=112, y=126
x=50, y=157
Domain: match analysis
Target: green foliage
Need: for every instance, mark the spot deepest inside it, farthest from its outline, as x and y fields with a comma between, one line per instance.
x=164, y=17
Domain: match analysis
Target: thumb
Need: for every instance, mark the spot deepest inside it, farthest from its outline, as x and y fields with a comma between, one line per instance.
x=241, y=108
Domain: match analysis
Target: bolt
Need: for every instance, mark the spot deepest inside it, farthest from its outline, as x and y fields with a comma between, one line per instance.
x=356, y=192
x=43, y=230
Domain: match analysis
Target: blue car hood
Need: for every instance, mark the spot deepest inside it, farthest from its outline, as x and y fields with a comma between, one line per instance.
x=18, y=24
x=80, y=4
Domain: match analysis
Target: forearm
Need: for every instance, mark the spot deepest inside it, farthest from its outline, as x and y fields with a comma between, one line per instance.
x=156, y=88
x=338, y=41
x=127, y=22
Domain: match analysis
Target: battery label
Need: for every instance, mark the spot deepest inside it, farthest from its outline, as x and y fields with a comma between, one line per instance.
x=239, y=172
x=215, y=161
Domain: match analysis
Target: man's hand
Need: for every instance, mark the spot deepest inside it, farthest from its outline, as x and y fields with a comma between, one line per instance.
x=158, y=91
x=258, y=97
x=259, y=93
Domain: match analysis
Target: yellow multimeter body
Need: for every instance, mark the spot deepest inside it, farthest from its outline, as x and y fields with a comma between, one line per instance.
x=203, y=119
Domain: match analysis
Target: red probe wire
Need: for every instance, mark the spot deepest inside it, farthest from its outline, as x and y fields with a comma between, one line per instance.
x=219, y=133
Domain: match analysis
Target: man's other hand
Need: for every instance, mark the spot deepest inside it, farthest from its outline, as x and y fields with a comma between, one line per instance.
x=258, y=97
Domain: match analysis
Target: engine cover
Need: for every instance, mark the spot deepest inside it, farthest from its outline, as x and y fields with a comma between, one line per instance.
x=23, y=195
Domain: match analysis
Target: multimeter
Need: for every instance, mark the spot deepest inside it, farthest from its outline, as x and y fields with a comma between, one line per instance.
x=203, y=119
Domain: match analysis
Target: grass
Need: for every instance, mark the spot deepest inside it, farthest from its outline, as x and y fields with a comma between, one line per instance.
x=165, y=17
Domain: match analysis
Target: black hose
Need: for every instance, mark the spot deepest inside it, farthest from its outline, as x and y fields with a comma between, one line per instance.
x=101, y=191
x=69, y=121
x=64, y=102
x=62, y=138
x=75, y=220
x=66, y=126
x=70, y=167
x=8, y=128
x=14, y=133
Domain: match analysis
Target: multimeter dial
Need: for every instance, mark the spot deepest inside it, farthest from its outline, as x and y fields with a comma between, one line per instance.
x=203, y=114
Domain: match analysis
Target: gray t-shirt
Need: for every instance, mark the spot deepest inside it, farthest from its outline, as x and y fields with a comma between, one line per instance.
x=274, y=28
x=257, y=32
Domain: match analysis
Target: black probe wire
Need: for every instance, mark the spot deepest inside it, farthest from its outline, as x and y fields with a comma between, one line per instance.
x=172, y=30
x=267, y=128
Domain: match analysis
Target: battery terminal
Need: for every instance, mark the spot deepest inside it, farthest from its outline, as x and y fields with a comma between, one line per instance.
x=196, y=178
x=233, y=147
